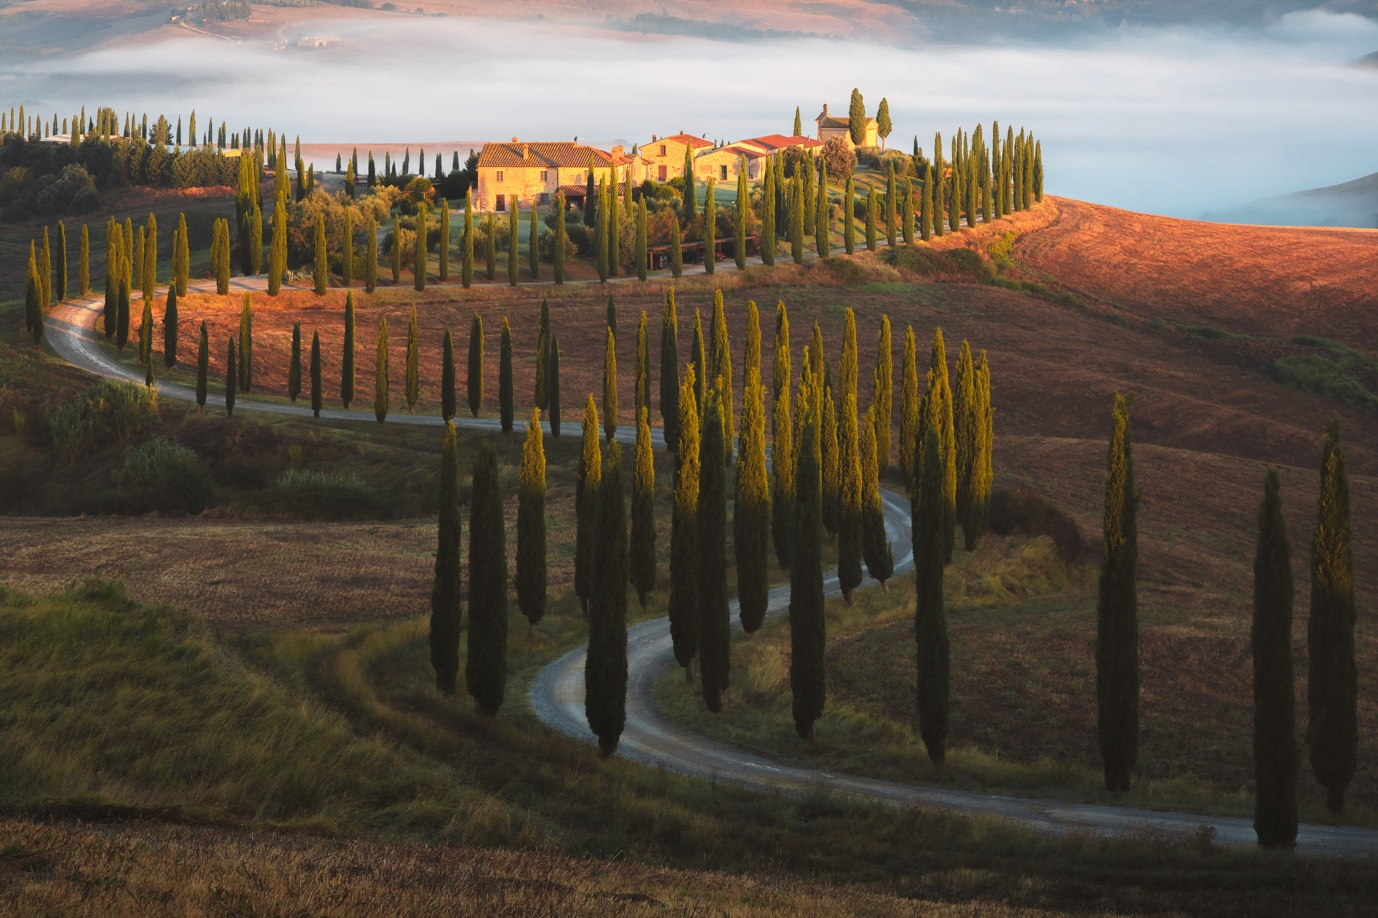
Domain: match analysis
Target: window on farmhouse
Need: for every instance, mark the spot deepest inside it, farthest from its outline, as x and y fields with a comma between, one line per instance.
x=544, y=173
x=545, y=197
x=662, y=150
x=499, y=175
x=502, y=203
x=722, y=173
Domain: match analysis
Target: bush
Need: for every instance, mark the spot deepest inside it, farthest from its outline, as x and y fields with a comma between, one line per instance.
x=317, y=495
x=58, y=196
x=840, y=158
x=85, y=201
x=1028, y=512
x=107, y=411
x=165, y=476
x=929, y=262
x=1327, y=376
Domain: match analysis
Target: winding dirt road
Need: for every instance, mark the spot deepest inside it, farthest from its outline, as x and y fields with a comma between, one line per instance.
x=557, y=695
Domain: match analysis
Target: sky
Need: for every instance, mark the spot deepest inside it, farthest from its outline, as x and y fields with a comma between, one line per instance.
x=1169, y=121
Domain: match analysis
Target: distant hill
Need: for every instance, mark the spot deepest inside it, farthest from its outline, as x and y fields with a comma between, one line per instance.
x=1368, y=60
x=1350, y=204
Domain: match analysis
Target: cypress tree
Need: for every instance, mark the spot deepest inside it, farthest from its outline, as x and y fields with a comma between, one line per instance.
x=419, y=250
x=882, y=394
x=255, y=239
x=832, y=484
x=751, y=518
x=1275, y=744
x=939, y=181
x=586, y=504
x=531, y=563
x=641, y=391
x=614, y=229
x=84, y=262
x=112, y=267
x=170, y=330
x=447, y=378
x=121, y=315
x=982, y=474
x=696, y=355
x=714, y=619
x=891, y=208
x=33, y=311
x=722, y=372
x=542, y=348
x=849, y=216
x=743, y=209
x=380, y=378
x=605, y=666
x=807, y=626
x=61, y=261
x=1117, y=631
x=145, y=333
x=277, y=255
x=371, y=256
x=294, y=367
x=908, y=221
x=533, y=247
x=849, y=515
x=558, y=257
x=246, y=346
x=822, y=237
x=1037, y=180
x=610, y=385
x=768, y=238
x=798, y=125
x=443, y=248
x=136, y=264
x=643, y=540
x=642, y=244
x=909, y=408
x=553, y=385
x=445, y=591
x=45, y=273
x=397, y=251
x=222, y=260
x=782, y=445
x=513, y=238
x=875, y=545
x=796, y=218
x=1331, y=684
x=689, y=195
x=872, y=216
x=181, y=256
x=936, y=411
x=474, y=381
x=202, y=368
x=969, y=428
x=930, y=619
x=594, y=207
x=316, y=392
x=485, y=670
x=808, y=194
x=347, y=361
x=710, y=228
x=320, y=265
x=413, y=383
x=669, y=372
x=490, y=250
x=676, y=255
x=684, y=532
x=231, y=384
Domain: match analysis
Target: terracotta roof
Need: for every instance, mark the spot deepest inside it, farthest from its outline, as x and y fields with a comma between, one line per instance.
x=561, y=154
x=741, y=149
x=832, y=121
x=688, y=139
x=772, y=142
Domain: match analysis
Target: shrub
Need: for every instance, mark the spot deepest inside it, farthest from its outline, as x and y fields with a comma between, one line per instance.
x=1327, y=376
x=840, y=158
x=1020, y=510
x=165, y=476
x=927, y=262
x=107, y=411
x=317, y=495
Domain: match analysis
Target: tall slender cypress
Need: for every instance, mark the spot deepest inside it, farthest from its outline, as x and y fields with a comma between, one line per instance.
x=849, y=216
x=231, y=384
x=170, y=329
x=684, y=532
x=669, y=372
x=722, y=372
x=474, y=381
x=485, y=669
x=828, y=441
x=822, y=231
x=883, y=394
x=936, y=411
x=533, y=247
x=768, y=238
x=751, y=517
x=490, y=249
x=396, y=253
x=84, y=262
x=1117, y=617
x=294, y=364
x=561, y=237
x=202, y=368
x=347, y=248
x=782, y=447
x=796, y=218
x=930, y=618
x=807, y=626
x=697, y=355
x=1331, y=684
x=531, y=540
x=872, y=218
x=969, y=429
x=605, y=666
x=317, y=390
x=891, y=208
x=1275, y=743
x=710, y=228
x=586, y=484
x=246, y=346
x=610, y=384
x=907, y=223
x=849, y=487
x=320, y=265
x=380, y=377
x=909, y=408
x=371, y=256
x=443, y=246
x=61, y=265
x=445, y=590
x=121, y=314
x=714, y=620
x=642, y=558
x=552, y=369
x=982, y=474
x=676, y=254
x=875, y=544
x=641, y=383
x=642, y=243
x=181, y=256
x=421, y=247
x=447, y=377
x=507, y=403
x=513, y=239
x=347, y=360
x=743, y=212
x=277, y=255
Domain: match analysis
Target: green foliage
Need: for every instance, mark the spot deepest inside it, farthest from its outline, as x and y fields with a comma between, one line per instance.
x=782, y=447
x=380, y=374
x=163, y=476
x=930, y=618
x=445, y=591
x=413, y=382
x=714, y=620
x=610, y=384
x=531, y=536
x=875, y=544
x=808, y=635
x=849, y=516
x=1117, y=623
x=642, y=551
x=1338, y=377
x=106, y=412
x=506, y=397
x=586, y=504
x=485, y=673
x=474, y=380
x=1275, y=743
x=751, y=517
x=605, y=667
x=684, y=531
x=669, y=372
x=316, y=390
x=721, y=372
x=553, y=385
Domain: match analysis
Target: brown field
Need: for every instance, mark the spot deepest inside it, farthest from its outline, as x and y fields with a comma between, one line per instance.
x=1259, y=280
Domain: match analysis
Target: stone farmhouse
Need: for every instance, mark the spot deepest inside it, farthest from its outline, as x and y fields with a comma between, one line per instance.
x=723, y=164
x=532, y=173
x=832, y=126
x=665, y=155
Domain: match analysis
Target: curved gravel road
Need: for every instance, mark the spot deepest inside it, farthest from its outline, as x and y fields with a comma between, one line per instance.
x=557, y=695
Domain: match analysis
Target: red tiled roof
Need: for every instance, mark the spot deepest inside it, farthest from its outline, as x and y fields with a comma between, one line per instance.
x=688, y=139
x=561, y=154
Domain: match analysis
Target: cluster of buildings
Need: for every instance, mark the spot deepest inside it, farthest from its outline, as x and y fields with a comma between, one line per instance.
x=532, y=173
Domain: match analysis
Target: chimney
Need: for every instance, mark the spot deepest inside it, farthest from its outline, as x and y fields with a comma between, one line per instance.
x=654, y=138
x=526, y=151
x=617, y=151
x=825, y=109
x=514, y=140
